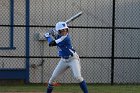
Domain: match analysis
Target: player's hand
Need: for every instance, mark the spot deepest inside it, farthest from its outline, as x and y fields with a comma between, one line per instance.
x=47, y=35
x=53, y=32
x=53, y=43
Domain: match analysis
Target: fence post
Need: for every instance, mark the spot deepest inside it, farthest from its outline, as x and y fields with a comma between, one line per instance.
x=27, y=39
x=11, y=22
x=113, y=39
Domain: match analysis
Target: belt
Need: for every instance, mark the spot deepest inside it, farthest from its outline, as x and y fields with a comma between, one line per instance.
x=67, y=57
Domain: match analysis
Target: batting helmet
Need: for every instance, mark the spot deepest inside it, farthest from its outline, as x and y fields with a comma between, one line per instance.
x=60, y=26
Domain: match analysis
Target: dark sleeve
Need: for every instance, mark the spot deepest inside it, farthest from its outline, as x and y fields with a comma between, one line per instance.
x=53, y=43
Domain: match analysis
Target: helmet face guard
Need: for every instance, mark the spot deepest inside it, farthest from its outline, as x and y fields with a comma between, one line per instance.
x=60, y=26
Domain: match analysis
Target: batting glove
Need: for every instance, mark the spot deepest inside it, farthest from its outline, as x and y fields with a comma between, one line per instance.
x=47, y=35
x=53, y=32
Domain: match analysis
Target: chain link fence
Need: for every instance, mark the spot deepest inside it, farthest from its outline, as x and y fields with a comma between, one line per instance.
x=106, y=37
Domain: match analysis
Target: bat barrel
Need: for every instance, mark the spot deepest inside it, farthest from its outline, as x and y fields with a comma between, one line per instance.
x=74, y=17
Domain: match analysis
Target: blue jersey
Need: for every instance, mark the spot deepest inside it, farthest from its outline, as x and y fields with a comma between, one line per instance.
x=64, y=45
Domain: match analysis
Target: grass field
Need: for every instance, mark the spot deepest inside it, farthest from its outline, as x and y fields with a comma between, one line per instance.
x=73, y=88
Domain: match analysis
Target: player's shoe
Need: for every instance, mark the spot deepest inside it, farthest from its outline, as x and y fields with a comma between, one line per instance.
x=56, y=84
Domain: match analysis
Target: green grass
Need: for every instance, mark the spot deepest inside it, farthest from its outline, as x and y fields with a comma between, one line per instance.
x=117, y=89
x=73, y=88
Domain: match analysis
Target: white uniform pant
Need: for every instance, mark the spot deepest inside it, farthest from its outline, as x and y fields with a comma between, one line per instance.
x=64, y=64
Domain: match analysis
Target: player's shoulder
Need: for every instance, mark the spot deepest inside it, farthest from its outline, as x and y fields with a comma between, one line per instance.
x=68, y=37
x=65, y=38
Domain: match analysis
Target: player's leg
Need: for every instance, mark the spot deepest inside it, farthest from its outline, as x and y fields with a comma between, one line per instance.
x=59, y=70
x=83, y=86
x=49, y=88
x=76, y=69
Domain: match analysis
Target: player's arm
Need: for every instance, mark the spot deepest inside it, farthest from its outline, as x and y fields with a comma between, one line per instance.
x=61, y=41
x=53, y=33
x=54, y=42
x=57, y=41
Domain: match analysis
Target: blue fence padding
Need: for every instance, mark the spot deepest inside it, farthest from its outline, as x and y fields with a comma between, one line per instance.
x=12, y=73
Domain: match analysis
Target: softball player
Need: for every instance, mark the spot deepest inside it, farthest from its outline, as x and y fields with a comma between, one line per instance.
x=69, y=58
